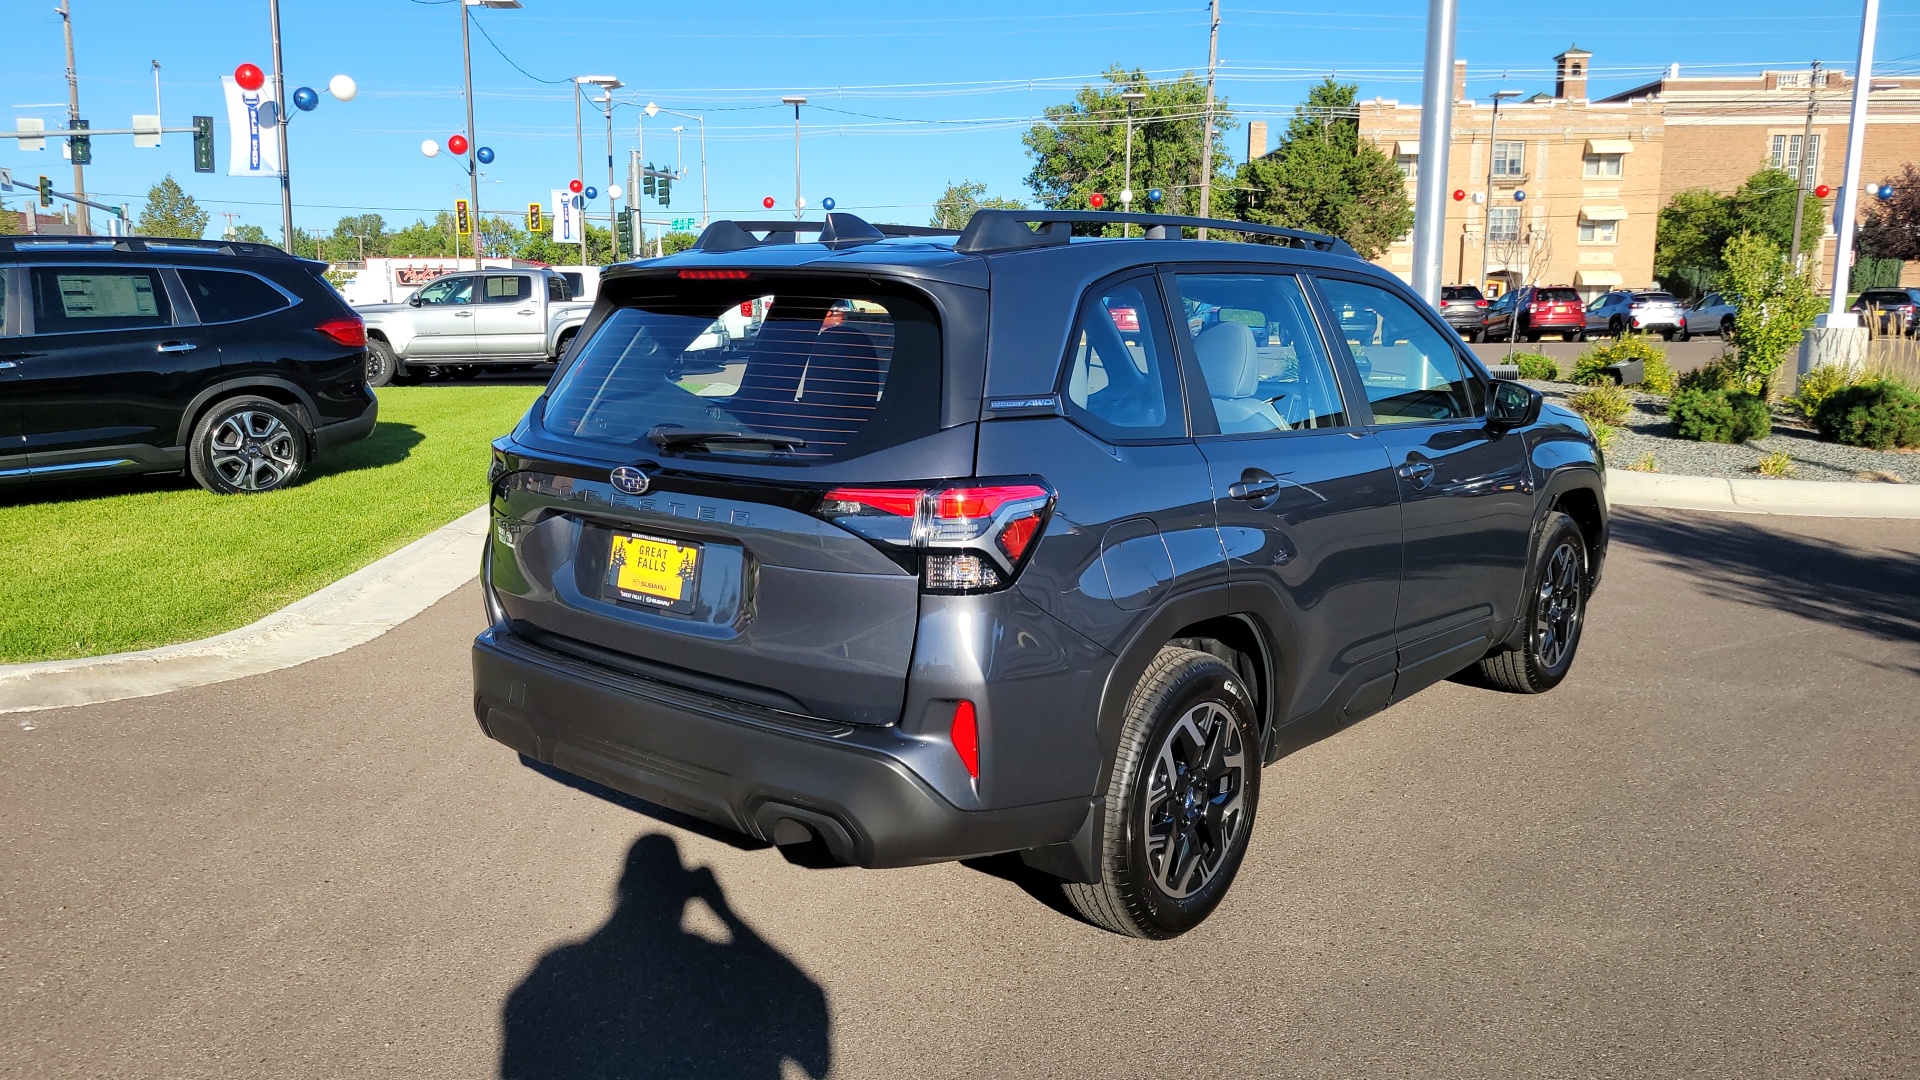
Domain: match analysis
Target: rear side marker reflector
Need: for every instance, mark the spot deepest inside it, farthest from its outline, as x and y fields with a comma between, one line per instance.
x=965, y=735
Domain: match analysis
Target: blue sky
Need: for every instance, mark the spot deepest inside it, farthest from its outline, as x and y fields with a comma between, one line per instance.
x=908, y=97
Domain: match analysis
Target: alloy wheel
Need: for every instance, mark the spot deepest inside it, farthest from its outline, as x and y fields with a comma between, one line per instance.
x=1557, y=611
x=1195, y=807
x=253, y=450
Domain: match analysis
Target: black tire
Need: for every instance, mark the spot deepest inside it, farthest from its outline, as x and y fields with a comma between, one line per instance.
x=1558, y=583
x=382, y=364
x=1476, y=336
x=1572, y=335
x=247, y=446
x=1168, y=852
x=1616, y=328
x=1533, y=337
x=1682, y=335
x=1726, y=327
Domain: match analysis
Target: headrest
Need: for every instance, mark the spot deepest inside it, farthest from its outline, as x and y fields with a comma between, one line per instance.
x=1228, y=361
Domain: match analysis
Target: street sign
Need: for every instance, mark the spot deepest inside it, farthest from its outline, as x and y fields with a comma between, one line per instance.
x=29, y=123
x=146, y=130
x=6, y=180
x=683, y=224
x=462, y=223
x=203, y=144
x=533, y=217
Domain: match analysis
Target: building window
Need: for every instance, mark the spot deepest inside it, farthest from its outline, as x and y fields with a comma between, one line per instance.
x=1602, y=166
x=1787, y=154
x=1503, y=224
x=1509, y=159
x=1599, y=232
x=1409, y=165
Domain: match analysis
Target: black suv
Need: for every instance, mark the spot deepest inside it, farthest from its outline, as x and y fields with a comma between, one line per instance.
x=1016, y=541
x=235, y=362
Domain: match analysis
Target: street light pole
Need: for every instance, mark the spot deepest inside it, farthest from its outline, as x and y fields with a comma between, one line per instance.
x=280, y=126
x=1486, y=217
x=1850, y=179
x=702, y=121
x=73, y=119
x=473, y=175
x=796, y=101
x=1436, y=127
x=580, y=170
x=1132, y=98
x=613, y=208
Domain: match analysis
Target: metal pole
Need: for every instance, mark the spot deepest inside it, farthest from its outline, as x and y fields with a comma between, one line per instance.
x=1436, y=130
x=798, y=210
x=579, y=170
x=473, y=170
x=1486, y=216
x=1805, y=163
x=73, y=119
x=1126, y=183
x=703, y=172
x=159, y=116
x=280, y=111
x=613, y=211
x=1206, y=118
x=1850, y=180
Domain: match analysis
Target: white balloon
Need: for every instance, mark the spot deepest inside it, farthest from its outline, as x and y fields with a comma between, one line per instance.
x=800, y=204
x=342, y=88
x=430, y=148
x=613, y=191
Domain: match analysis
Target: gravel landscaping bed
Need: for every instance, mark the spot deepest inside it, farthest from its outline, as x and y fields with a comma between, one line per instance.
x=1648, y=432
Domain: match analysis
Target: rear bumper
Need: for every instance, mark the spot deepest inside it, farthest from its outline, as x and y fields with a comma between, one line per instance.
x=756, y=771
x=329, y=436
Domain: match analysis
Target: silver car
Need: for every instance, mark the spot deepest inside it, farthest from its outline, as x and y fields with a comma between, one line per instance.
x=1711, y=314
x=1624, y=312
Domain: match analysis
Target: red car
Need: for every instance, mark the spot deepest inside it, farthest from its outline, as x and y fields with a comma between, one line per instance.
x=1538, y=310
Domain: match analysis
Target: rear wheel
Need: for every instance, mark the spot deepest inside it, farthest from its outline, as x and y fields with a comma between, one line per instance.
x=247, y=445
x=1682, y=334
x=1476, y=336
x=1557, y=610
x=1572, y=335
x=1180, y=800
x=1616, y=327
x=382, y=364
x=1726, y=326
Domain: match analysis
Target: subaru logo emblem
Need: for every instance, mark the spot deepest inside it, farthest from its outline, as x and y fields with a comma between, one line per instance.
x=631, y=480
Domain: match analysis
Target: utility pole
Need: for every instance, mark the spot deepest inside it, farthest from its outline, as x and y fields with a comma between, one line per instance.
x=1436, y=127
x=280, y=126
x=1206, y=118
x=1804, y=174
x=473, y=169
x=73, y=118
x=1486, y=216
x=613, y=208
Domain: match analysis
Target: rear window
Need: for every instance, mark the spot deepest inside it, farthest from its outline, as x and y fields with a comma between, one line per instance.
x=818, y=370
x=226, y=296
x=1656, y=297
x=67, y=299
x=1556, y=296
x=1459, y=292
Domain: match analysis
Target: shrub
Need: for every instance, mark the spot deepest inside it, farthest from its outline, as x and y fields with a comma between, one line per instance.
x=1647, y=463
x=1817, y=386
x=1877, y=413
x=1713, y=375
x=1602, y=404
x=1591, y=367
x=1603, y=434
x=1537, y=367
x=1659, y=378
x=1777, y=465
x=1723, y=416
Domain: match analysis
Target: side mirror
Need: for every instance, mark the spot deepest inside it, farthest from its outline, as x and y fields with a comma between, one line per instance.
x=414, y=300
x=1514, y=405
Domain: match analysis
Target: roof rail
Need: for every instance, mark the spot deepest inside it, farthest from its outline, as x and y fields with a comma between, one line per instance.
x=1007, y=230
x=837, y=231
x=139, y=243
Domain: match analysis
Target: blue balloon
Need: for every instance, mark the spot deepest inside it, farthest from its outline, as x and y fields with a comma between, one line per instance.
x=826, y=204
x=579, y=201
x=485, y=154
x=305, y=99
x=1155, y=194
x=1885, y=193
x=1519, y=196
x=592, y=193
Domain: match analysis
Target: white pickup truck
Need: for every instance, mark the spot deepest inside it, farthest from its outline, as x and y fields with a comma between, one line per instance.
x=456, y=324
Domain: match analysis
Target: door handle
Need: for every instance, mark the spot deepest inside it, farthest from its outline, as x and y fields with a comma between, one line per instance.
x=524, y=311
x=1256, y=486
x=463, y=314
x=175, y=346
x=5, y=364
x=1420, y=472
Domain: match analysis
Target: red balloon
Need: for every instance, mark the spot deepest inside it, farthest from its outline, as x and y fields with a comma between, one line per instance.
x=1459, y=194
x=249, y=77
x=1096, y=200
x=457, y=144
x=575, y=186
x=767, y=202
x=1822, y=191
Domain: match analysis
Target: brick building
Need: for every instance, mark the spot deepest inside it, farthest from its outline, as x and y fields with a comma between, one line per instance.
x=1595, y=172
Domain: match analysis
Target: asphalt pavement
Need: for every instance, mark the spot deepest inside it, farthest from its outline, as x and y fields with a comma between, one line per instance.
x=1699, y=857
x=1681, y=355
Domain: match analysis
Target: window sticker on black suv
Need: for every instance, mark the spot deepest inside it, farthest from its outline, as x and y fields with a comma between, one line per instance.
x=1122, y=381
x=226, y=296
x=1410, y=370
x=1265, y=366
x=798, y=372
x=70, y=298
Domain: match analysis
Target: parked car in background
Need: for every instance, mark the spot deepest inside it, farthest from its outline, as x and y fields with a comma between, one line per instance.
x=1889, y=311
x=457, y=324
x=1625, y=311
x=1463, y=306
x=236, y=363
x=907, y=585
x=1711, y=314
x=1532, y=312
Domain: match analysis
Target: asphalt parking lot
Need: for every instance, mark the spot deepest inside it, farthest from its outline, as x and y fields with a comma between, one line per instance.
x=1699, y=857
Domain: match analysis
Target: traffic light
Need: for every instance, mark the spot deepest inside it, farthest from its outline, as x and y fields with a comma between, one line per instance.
x=533, y=217
x=623, y=232
x=82, y=145
x=647, y=184
x=46, y=192
x=203, y=144
x=666, y=191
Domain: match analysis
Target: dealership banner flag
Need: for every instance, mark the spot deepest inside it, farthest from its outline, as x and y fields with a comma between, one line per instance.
x=253, y=148
x=566, y=219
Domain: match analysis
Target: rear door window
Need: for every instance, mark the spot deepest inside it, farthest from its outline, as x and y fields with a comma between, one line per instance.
x=508, y=290
x=228, y=296
x=1123, y=383
x=71, y=299
x=1260, y=354
x=836, y=370
x=1411, y=371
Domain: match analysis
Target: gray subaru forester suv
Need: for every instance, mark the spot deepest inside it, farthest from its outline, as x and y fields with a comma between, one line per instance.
x=1015, y=541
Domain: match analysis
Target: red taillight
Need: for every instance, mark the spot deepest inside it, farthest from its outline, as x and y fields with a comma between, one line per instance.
x=901, y=502
x=713, y=275
x=965, y=735
x=974, y=536
x=348, y=331
x=746, y=310
x=1479, y=303
x=976, y=502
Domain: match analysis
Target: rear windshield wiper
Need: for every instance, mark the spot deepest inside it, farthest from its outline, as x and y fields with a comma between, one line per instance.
x=673, y=436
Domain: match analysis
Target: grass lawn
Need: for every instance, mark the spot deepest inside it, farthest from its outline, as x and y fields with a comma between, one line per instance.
x=112, y=565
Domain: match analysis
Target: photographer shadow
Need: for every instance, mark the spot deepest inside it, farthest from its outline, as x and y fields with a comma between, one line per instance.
x=645, y=997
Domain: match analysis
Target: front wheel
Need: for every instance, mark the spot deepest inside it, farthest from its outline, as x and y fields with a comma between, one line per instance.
x=1616, y=328
x=247, y=445
x=1682, y=335
x=1557, y=611
x=1180, y=800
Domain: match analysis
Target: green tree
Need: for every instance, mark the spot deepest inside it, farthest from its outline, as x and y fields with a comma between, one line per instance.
x=423, y=240
x=357, y=233
x=1081, y=147
x=1324, y=177
x=1776, y=304
x=962, y=200
x=1691, y=236
x=172, y=212
x=1892, y=228
x=674, y=243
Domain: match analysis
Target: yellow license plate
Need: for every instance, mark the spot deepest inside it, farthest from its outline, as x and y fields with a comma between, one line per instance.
x=652, y=571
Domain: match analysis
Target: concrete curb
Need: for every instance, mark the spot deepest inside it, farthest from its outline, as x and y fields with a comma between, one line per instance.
x=354, y=610
x=1799, y=498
